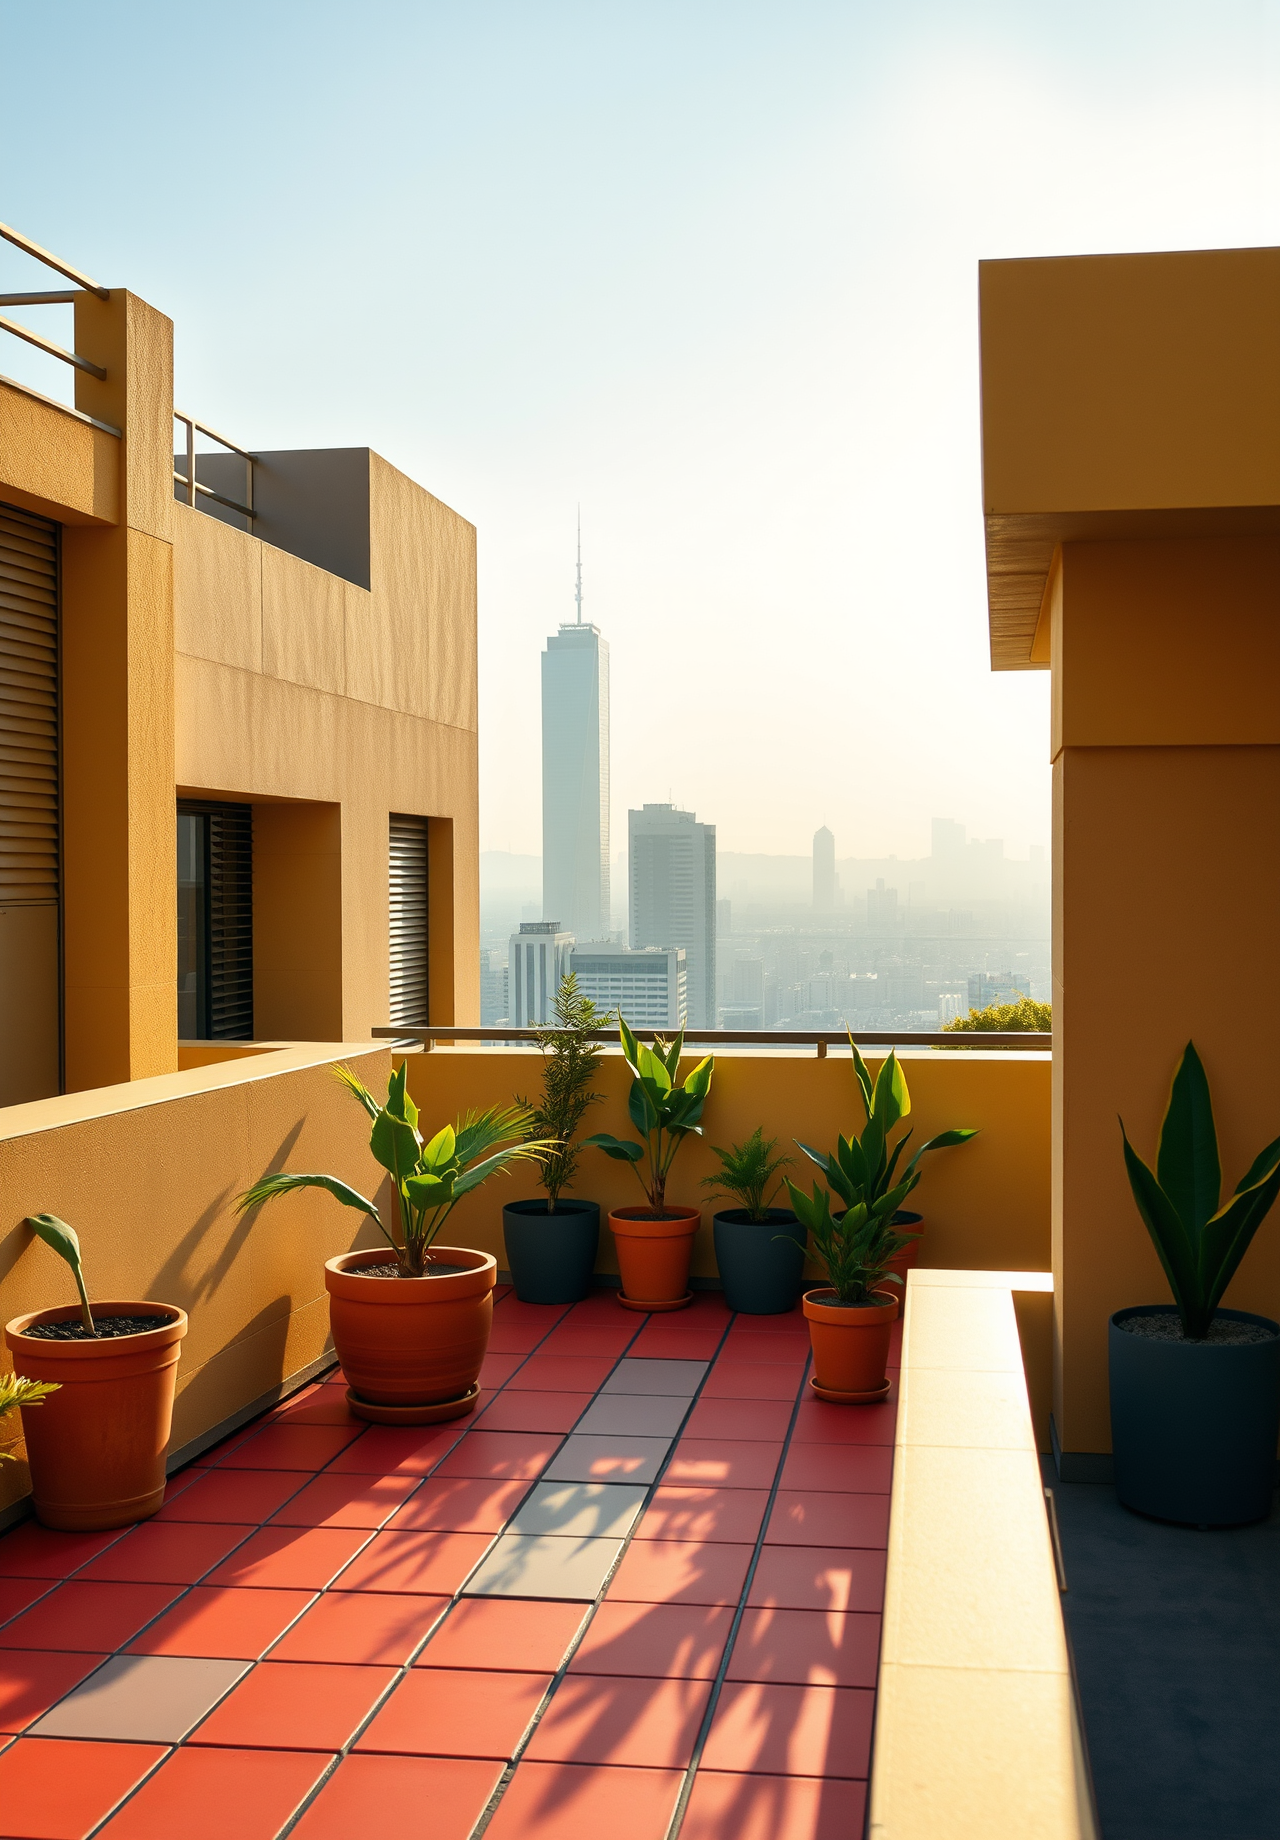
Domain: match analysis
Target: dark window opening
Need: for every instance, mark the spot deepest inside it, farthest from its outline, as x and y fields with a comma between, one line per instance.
x=409, y=919
x=215, y=921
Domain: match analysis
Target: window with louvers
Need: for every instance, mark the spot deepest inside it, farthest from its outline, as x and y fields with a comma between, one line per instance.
x=409, y=913
x=215, y=918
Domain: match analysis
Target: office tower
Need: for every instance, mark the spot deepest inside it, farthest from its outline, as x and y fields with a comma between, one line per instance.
x=824, y=871
x=537, y=959
x=672, y=877
x=648, y=988
x=575, y=775
x=493, y=1007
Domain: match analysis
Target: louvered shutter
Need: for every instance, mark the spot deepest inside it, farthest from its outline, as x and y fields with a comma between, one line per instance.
x=231, y=923
x=409, y=916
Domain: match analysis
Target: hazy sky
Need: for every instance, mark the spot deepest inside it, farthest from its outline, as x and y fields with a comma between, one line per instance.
x=709, y=269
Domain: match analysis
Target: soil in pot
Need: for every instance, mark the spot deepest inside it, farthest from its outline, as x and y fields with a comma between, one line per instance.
x=551, y=1257
x=97, y=1447
x=761, y=1262
x=850, y=1343
x=411, y=1348
x=654, y=1254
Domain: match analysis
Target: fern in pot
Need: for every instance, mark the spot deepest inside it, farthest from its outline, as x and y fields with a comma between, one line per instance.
x=759, y=1247
x=551, y=1240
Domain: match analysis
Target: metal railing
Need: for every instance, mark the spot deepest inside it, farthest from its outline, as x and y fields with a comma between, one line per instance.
x=53, y=298
x=819, y=1039
x=196, y=487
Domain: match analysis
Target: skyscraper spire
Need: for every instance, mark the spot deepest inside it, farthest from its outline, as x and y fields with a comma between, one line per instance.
x=578, y=591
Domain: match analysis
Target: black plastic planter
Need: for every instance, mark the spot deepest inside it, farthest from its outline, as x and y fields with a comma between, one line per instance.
x=1194, y=1424
x=551, y=1256
x=761, y=1261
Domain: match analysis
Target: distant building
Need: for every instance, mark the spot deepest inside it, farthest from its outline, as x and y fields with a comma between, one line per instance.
x=672, y=877
x=648, y=988
x=724, y=918
x=575, y=776
x=537, y=958
x=824, y=871
x=742, y=1004
x=493, y=1000
x=882, y=908
x=988, y=987
x=952, y=1007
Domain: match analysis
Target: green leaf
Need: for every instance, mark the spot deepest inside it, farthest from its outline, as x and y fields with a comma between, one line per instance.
x=1261, y=1166
x=514, y=1153
x=359, y=1089
x=440, y=1152
x=622, y=1149
x=1227, y=1237
x=891, y=1100
x=642, y=1111
x=399, y=1104
x=672, y=1057
x=1168, y=1236
x=64, y=1240
x=698, y=1082
x=863, y=1074
x=630, y=1046
x=284, y=1181
x=653, y=1071
x=945, y=1140
x=1187, y=1166
x=480, y=1132
x=395, y=1144
x=430, y=1191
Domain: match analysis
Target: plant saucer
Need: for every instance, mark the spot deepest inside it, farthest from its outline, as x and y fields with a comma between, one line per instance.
x=851, y=1399
x=414, y=1415
x=656, y=1308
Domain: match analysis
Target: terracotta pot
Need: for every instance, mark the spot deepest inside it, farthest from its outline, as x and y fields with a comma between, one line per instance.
x=653, y=1255
x=850, y=1344
x=97, y=1448
x=411, y=1348
x=909, y=1257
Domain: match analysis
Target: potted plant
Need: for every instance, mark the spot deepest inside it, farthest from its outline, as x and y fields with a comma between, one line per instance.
x=759, y=1247
x=850, y=1318
x=868, y=1164
x=411, y=1329
x=551, y=1244
x=97, y=1450
x=655, y=1242
x=1195, y=1389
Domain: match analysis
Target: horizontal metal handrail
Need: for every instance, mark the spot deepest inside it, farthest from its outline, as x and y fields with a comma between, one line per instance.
x=65, y=297
x=821, y=1039
x=179, y=415
x=196, y=486
x=50, y=349
x=205, y=491
x=29, y=248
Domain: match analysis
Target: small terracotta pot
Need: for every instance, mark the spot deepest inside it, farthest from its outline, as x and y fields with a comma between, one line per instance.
x=909, y=1257
x=850, y=1345
x=411, y=1348
x=653, y=1255
x=97, y=1447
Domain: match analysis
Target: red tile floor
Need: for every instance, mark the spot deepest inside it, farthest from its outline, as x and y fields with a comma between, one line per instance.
x=665, y=1625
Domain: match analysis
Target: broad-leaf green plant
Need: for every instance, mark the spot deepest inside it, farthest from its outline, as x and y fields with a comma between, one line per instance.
x=66, y=1243
x=746, y=1172
x=663, y=1112
x=853, y=1247
x=570, y=1061
x=1199, y=1242
x=14, y=1392
x=427, y=1179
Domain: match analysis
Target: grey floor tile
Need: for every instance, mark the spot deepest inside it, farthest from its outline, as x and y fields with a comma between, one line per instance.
x=581, y=1510
x=635, y=1375
x=533, y=1565
x=634, y=1415
x=607, y=1459
x=155, y=1699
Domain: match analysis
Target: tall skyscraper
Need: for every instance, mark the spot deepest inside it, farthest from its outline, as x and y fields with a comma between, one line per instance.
x=575, y=775
x=537, y=958
x=672, y=874
x=824, y=870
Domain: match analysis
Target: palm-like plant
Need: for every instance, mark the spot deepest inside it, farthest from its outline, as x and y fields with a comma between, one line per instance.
x=662, y=1111
x=427, y=1180
x=570, y=1060
x=746, y=1171
x=1199, y=1243
x=16, y=1392
x=853, y=1247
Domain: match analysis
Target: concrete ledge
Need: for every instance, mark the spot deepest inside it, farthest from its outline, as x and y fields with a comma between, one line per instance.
x=977, y=1733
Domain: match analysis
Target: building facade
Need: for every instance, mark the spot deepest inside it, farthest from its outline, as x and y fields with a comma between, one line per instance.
x=824, y=870
x=649, y=989
x=672, y=895
x=575, y=780
x=537, y=958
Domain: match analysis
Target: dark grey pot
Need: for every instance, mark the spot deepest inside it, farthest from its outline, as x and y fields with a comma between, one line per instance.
x=1194, y=1424
x=761, y=1272
x=551, y=1256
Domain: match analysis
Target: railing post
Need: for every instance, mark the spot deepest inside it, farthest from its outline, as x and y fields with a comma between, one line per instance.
x=191, y=462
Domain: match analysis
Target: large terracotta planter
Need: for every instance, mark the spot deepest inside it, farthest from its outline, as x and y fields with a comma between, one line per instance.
x=411, y=1348
x=909, y=1257
x=97, y=1447
x=850, y=1345
x=653, y=1256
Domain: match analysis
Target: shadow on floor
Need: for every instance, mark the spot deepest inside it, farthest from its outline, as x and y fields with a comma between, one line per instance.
x=1177, y=1646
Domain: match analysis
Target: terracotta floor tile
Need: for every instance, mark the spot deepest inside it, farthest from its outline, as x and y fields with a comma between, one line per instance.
x=18, y=1594
x=734, y=1379
x=210, y=1795
x=773, y=1808
x=791, y=1731
x=820, y=1423
x=501, y=1454
x=609, y=1338
x=30, y=1551
x=743, y=1344
x=517, y=1410
x=33, y=1679
x=818, y=1578
x=384, y=1451
x=565, y=1373
x=291, y=1558
x=460, y=1504
x=525, y=1635
x=346, y=1501
x=362, y=1627
x=654, y=1641
x=432, y=1564
x=807, y=1648
x=661, y=1344
x=720, y=1464
x=854, y=1469
x=514, y=1340
x=383, y=1798
x=166, y=1552
x=801, y=1518
x=570, y=1801
x=88, y=1616
x=760, y=1420
x=497, y=1368
x=238, y=1495
x=645, y=1724
x=724, y=1516
x=320, y=1405
x=209, y=1620
x=295, y=1706
x=680, y=1572
x=601, y=1306
x=291, y=1447
x=540, y=1316
x=60, y=1788
x=149, y=1699
x=456, y=1713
